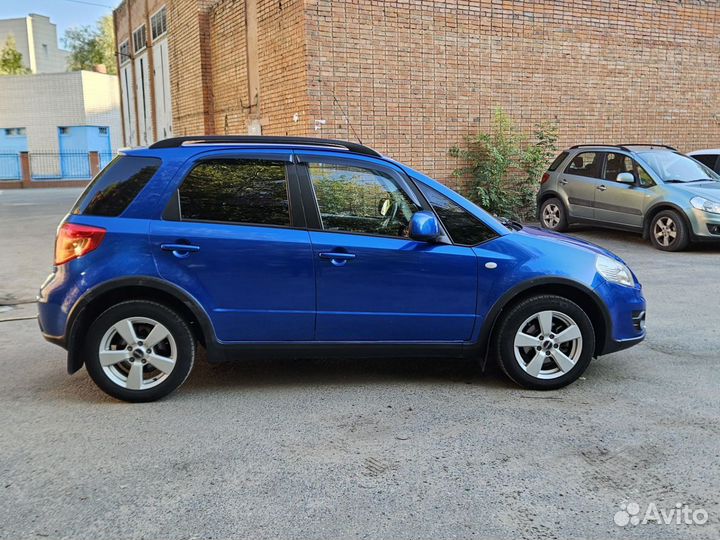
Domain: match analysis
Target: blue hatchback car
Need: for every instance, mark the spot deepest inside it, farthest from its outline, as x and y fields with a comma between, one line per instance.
x=301, y=247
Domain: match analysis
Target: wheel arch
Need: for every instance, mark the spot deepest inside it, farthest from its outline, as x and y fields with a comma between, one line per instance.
x=100, y=298
x=656, y=209
x=583, y=296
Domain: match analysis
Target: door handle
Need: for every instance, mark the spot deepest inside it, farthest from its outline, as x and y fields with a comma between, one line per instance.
x=180, y=250
x=337, y=258
x=602, y=187
x=563, y=182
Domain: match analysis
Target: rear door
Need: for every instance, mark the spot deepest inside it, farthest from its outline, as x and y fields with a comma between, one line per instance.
x=580, y=180
x=618, y=203
x=373, y=282
x=234, y=237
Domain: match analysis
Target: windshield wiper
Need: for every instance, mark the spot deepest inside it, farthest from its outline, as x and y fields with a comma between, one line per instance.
x=678, y=181
x=511, y=224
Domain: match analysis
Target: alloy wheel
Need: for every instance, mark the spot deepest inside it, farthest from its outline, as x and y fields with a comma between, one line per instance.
x=137, y=353
x=551, y=215
x=665, y=231
x=548, y=345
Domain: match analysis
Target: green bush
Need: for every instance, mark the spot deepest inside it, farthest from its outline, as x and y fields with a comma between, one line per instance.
x=504, y=166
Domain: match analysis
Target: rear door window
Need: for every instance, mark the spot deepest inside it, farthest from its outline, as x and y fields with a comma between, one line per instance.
x=587, y=164
x=252, y=192
x=112, y=191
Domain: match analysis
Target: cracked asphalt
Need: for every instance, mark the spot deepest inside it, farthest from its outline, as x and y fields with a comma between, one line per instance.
x=361, y=449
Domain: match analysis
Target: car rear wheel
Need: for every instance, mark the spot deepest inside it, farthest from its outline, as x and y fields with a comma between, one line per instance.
x=552, y=215
x=139, y=351
x=669, y=232
x=545, y=342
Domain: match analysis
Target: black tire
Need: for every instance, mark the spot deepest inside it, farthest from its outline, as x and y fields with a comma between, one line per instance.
x=510, y=325
x=179, y=331
x=553, y=215
x=671, y=222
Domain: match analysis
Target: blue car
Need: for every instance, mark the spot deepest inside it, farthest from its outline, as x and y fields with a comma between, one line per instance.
x=301, y=247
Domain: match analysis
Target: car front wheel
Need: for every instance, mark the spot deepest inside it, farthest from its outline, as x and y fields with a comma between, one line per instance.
x=139, y=351
x=668, y=231
x=545, y=342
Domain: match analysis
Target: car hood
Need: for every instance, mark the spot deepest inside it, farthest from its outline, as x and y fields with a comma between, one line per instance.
x=709, y=190
x=563, y=239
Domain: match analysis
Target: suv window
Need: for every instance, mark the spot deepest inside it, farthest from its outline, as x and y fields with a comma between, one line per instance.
x=644, y=178
x=585, y=164
x=360, y=200
x=558, y=160
x=616, y=164
x=236, y=191
x=464, y=228
x=112, y=191
x=708, y=160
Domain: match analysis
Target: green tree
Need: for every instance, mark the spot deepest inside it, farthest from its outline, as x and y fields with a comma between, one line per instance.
x=504, y=165
x=90, y=46
x=11, y=59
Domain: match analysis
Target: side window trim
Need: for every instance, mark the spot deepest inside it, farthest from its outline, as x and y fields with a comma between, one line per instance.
x=173, y=212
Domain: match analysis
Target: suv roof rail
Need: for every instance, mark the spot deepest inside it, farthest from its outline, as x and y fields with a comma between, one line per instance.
x=176, y=142
x=624, y=146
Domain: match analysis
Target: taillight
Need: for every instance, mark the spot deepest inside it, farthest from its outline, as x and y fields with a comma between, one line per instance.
x=545, y=178
x=74, y=241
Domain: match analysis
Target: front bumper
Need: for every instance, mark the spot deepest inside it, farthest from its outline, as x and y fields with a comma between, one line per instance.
x=626, y=308
x=705, y=226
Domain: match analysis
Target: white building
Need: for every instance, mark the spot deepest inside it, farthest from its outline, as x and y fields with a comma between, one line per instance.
x=58, y=118
x=36, y=39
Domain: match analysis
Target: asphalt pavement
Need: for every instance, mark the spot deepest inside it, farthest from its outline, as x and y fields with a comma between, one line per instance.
x=357, y=448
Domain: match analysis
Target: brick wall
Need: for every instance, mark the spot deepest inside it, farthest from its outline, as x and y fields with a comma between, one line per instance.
x=415, y=76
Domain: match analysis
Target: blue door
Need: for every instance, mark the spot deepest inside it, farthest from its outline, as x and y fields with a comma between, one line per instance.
x=12, y=142
x=373, y=282
x=231, y=241
x=75, y=142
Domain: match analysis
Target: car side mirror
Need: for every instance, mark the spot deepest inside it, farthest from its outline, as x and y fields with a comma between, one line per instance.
x=626, y=178
x=424, y=227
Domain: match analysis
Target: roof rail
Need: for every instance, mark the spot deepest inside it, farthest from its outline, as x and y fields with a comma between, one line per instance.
x=176, y=142
x=625, y=146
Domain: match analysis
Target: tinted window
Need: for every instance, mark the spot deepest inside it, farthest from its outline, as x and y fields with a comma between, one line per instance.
x=236, y=191
x=616, y=164
x=707, y=159
x=355, y=199
x=116, y=186
x=558, y=160
x=585, y=164
x=463, y=228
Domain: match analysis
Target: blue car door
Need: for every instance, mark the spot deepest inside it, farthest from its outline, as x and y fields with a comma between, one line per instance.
x=373, y=282
x=234, y=237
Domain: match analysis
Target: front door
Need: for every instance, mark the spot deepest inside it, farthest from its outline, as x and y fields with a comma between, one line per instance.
x=230, y=240
x=373, y=282
x=580, y=181
x=618, y=203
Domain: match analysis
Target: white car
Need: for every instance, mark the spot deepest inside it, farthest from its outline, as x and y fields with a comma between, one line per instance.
x=709, y=158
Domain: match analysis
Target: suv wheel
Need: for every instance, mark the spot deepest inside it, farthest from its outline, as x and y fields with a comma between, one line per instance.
x=545, y=342
x=552, y=215
x=668, y=231
x=139, y=351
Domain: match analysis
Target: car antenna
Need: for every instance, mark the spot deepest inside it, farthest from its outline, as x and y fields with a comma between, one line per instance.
x=347, y=119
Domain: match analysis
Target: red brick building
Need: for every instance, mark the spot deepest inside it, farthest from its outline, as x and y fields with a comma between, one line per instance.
x=412, y=77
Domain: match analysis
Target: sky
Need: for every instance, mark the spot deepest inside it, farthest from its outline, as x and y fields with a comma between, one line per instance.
x=64, y=13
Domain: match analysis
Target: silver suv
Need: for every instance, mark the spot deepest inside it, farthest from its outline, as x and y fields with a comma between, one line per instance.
x=654, y=190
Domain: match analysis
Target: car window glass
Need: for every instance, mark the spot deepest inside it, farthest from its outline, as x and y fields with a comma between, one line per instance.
x=585, y=164
x=463, y=228
x=360, y=200
x=616, y=164
x=236, y=191
x=112, y=191
x=643, y=177
x=707, y=159
x=558, y=160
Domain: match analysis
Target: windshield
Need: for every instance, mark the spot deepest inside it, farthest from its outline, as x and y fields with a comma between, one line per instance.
x=677, y=168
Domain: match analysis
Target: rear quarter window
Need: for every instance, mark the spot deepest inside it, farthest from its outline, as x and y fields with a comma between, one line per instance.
x=116, y=186
x=558, y=160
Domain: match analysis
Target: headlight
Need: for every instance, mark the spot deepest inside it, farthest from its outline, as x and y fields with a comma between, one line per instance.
x=703, y=204
x=614, y=271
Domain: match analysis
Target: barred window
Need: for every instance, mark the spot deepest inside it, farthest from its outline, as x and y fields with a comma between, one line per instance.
x=140, y=39
x=158, y=23
x=124, y=52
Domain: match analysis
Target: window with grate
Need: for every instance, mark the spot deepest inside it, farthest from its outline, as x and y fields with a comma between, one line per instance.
x=158, y=23
x=140, y=39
